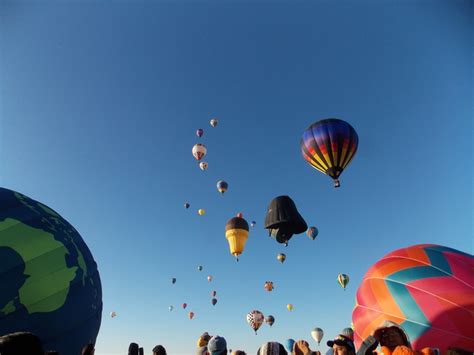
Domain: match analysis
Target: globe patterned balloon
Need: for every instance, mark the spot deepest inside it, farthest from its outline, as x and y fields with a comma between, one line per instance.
x=427, y=289
x=49, y=283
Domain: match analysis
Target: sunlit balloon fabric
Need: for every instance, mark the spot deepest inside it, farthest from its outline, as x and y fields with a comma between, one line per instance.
x=427, y=289
x=329, y=145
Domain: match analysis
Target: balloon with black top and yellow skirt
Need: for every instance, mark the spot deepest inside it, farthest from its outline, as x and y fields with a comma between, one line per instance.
x=237, y=233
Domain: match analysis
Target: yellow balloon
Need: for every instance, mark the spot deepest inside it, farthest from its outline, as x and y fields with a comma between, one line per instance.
x=289, y=306
x=237, y=233
x=201, y=212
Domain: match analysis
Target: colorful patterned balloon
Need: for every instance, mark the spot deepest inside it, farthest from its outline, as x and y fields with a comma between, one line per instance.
x=427, y=289
x=255, y=319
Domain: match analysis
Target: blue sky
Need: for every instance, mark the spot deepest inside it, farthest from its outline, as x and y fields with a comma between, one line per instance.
x=100, y=101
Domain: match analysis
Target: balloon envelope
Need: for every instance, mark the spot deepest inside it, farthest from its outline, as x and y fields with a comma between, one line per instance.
x=289, y=345
x=312, y=232
x=343, y=280
x=214, y=301
x=255, y=319
x=213, y=122
x=281, y=257
x=113, y=314
x=329, y=145
x=200, y=132
x=184, y=305
x=317, y=334
x=270, y=320
x=222, y=186
x=201, y=212
x=203, y=165
x=236, y=233
x=199, y=151
x=186, y=205
x=289, y=306
x=427, y=289
x=191, y=315
x=49, y=282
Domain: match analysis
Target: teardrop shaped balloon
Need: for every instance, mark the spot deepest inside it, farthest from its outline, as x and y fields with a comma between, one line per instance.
x=186, y=205
x=203, y=165
x=200, y=132
x=281, y=257
x=213, y=293
x=199, y=268
x=270, y=320
x=312, y=232
x=317, y=334
x=222, y=186
x=191, y=315
x=209, y=278
x=184, y=305
x=201, y=212
x=253, y=224
x=329, y=146
x=199, y=151
x=268, y=286
x=255, y=319
x=173, y=280
x=170, y=308
x=214, y=301
x=113, y=314
x=343, y=280
x=289, y=306
x=213, y=122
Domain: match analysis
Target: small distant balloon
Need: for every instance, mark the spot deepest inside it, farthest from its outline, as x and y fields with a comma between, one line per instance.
x=200, y=132
x=199, y=151
x=171, y=308
x=270, y=320
x=343, y=280
x=317, y=334
x=253, y=223
x=191, y=315
x=213, y=122
x=184, y=305
x=186, y=205
x=268, y=286
x=312, y=232
x=255, y=319
x=289, y=306
x=214, y=301
x=203, y=165
x=199, y=268
x=213, y=293
x=113, y=314
x=281, y=257
x=201, y=212
x=209, y=278
x=222, y=186
x=173, y=280
x=289, y=345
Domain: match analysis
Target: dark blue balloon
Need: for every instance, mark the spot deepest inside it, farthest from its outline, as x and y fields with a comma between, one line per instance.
x=289, y=345
x=49, y=283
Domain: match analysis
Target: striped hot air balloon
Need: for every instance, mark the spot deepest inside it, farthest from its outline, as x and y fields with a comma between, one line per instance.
x=329, y=145
x=427, y=289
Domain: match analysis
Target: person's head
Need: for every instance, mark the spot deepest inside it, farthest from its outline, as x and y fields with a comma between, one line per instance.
x=159, y=350
x=272, y=348
x=238, y=352
x=217, y=346
x=133, y=349
x=391, y=335
x=20, y=343
x=342, y=345
x=202, y=351
x=203, y=340
x=88, y=349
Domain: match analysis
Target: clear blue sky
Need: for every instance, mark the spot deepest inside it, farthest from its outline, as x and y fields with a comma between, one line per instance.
x=100, y=101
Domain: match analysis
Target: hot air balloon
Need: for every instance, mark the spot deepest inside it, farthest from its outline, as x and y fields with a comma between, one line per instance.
x=173, y=280
x=184, y=305
x=199, y=268
x=281, y=257
x=222, y=186
x=237, y=233
x=283, y=219
x=203, y=165
x=343, y=280
x=113, y=314
x=427, y=289
x=199, y=151
x=255, y=319
x=186, y=205
x=289, y=306
x=348, y=332
x=213, y=122
x=209, y=278
x=214, y=301
x=199, y=132
x=329, y=145
x=253, y=224
x=268, y=286
x=317, y=334
x=201, y=212
x=270, y=320
x=289, y=345
x=170, y=308
x=191, y=315
x=312, y=232
x=213, y=293
x=49, y=280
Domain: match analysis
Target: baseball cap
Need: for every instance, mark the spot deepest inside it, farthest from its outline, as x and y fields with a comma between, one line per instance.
x=342, y=340
x=217, y=345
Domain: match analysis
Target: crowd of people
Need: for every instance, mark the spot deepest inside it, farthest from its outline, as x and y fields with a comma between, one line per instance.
x=389, y=339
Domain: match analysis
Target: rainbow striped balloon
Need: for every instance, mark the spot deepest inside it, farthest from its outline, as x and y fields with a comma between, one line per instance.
x=329, y=145
x=427, y=289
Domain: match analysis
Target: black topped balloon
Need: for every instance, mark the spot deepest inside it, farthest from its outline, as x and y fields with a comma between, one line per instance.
x=329, y=146
x=283, y=219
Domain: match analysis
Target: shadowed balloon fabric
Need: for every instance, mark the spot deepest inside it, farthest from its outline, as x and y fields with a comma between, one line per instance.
x=49, y=283
x=427, y=289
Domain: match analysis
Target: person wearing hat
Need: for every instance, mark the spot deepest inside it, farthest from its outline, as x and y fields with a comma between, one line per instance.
x=272, y=348
x=159, y=350
x=217, y=346
x=203, y=340
x=342, y=345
